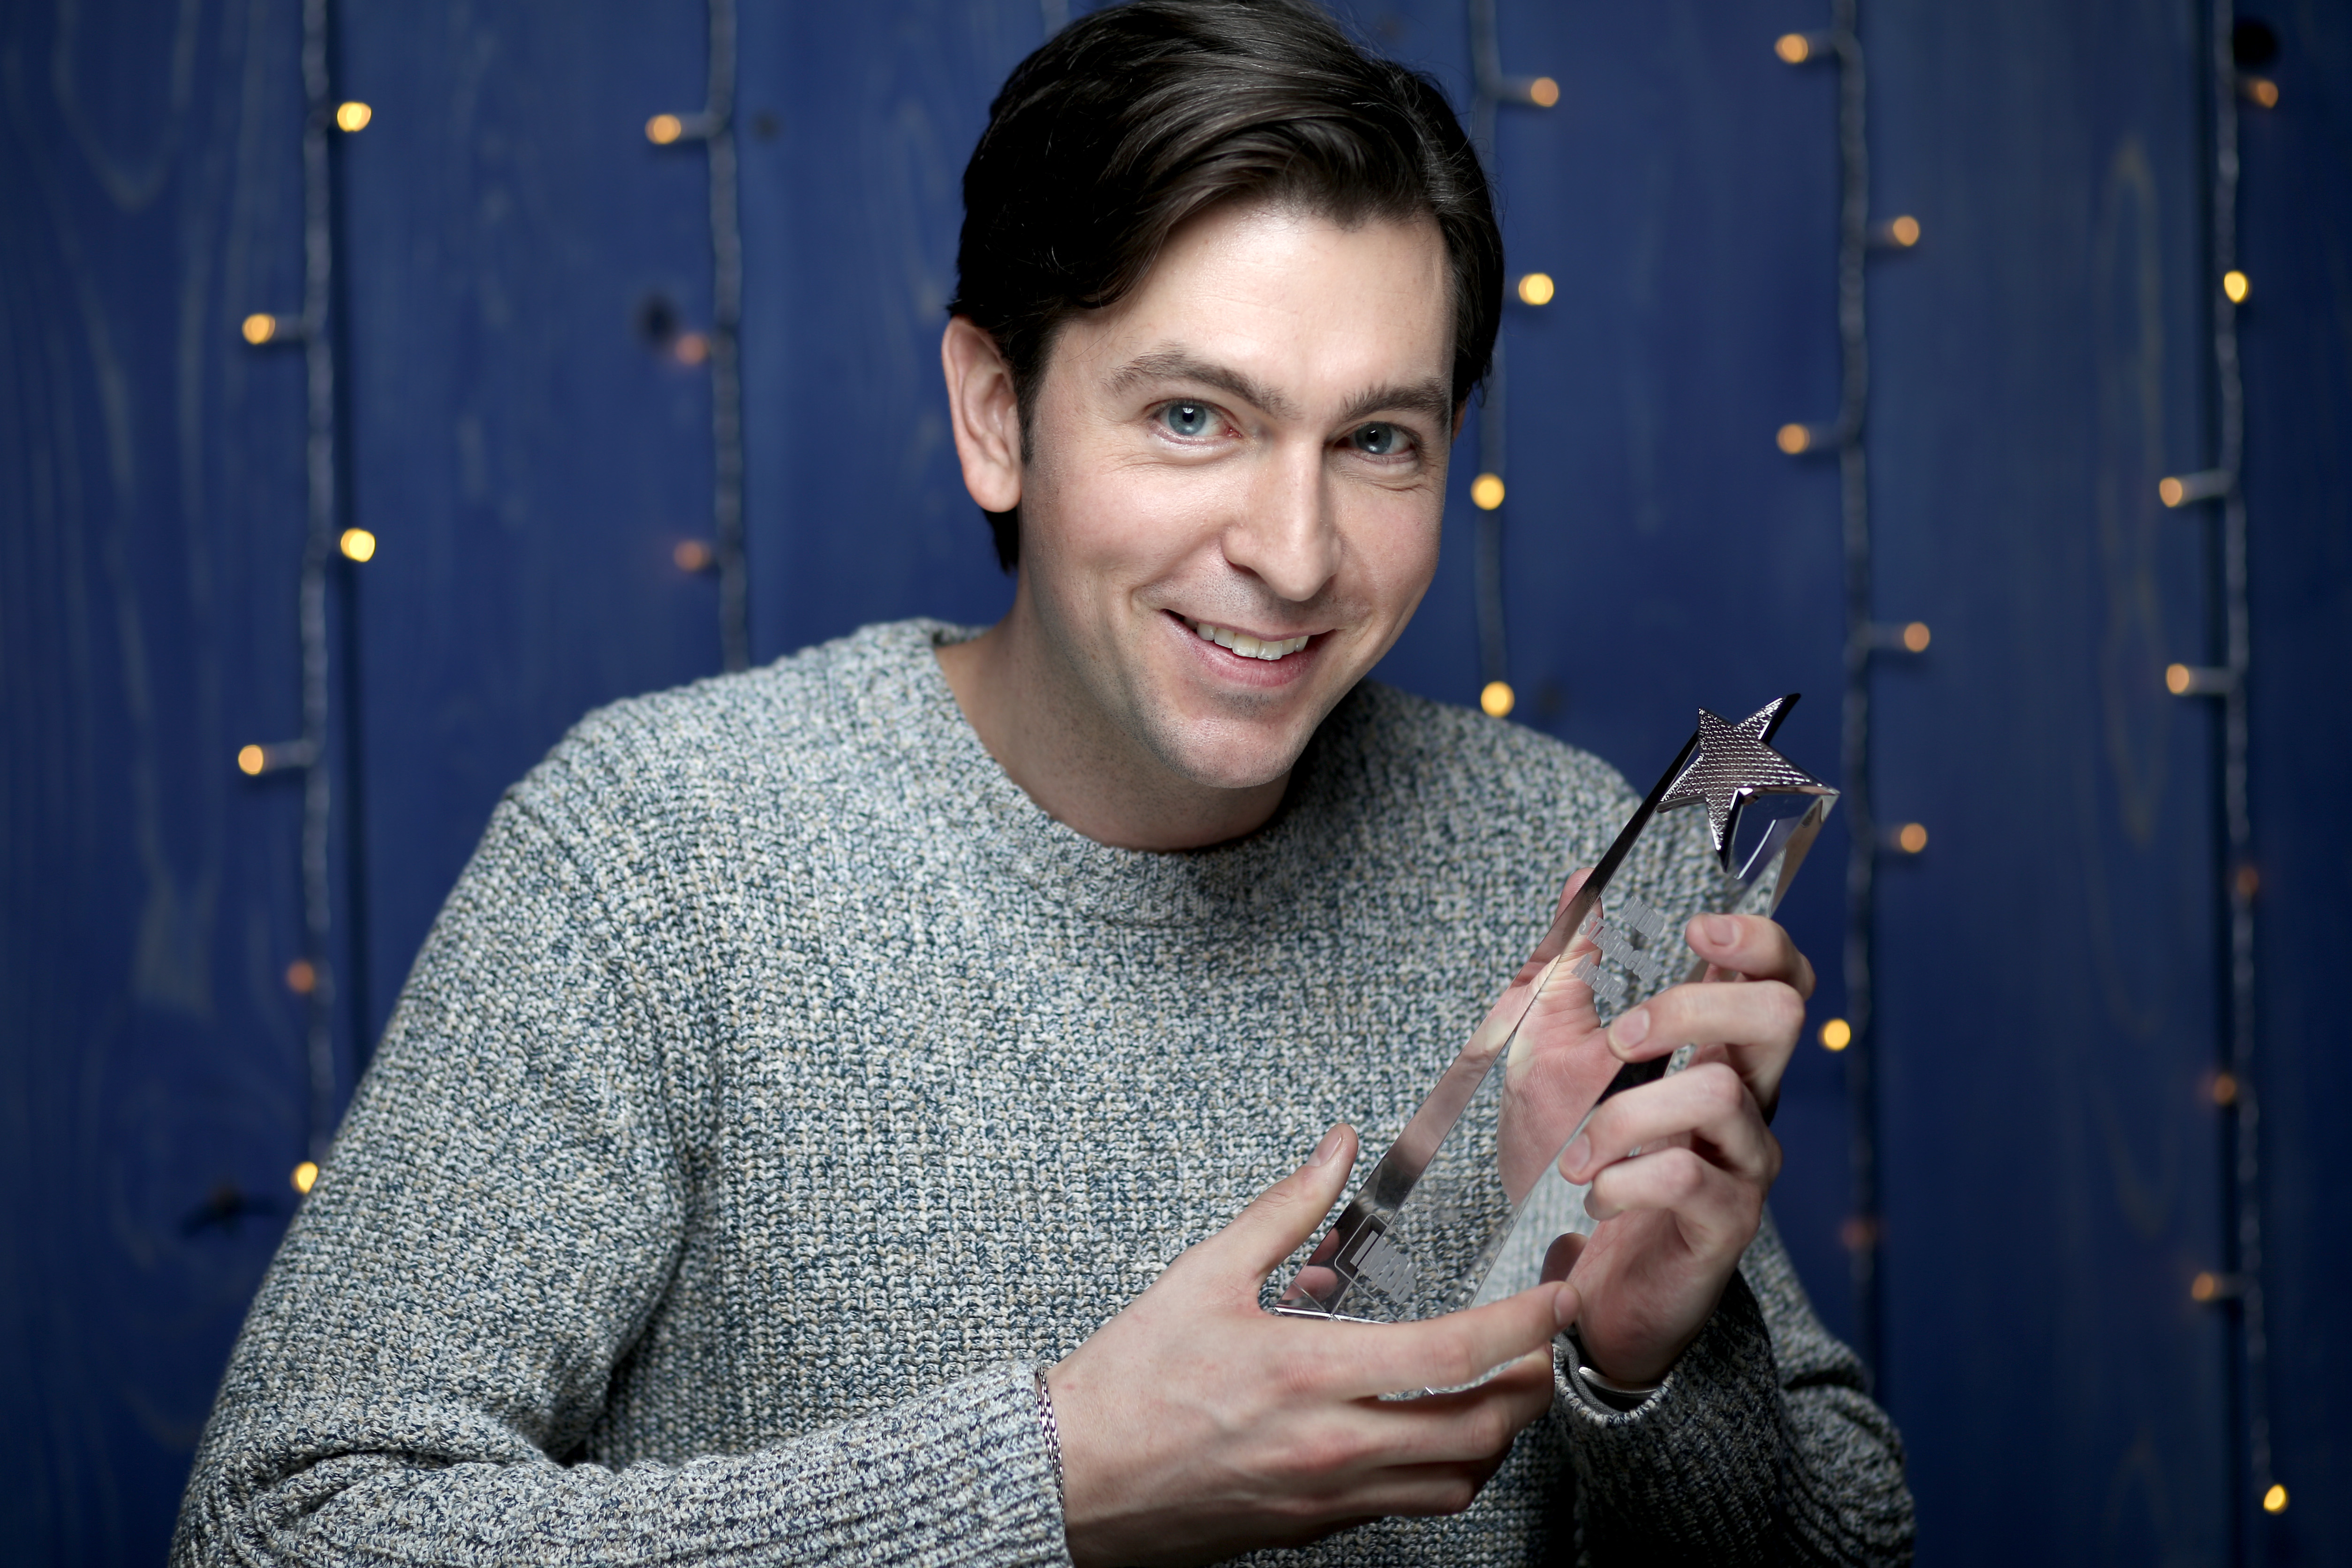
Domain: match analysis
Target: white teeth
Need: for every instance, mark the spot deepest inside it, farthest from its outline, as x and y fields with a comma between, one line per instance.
x=1245, y=645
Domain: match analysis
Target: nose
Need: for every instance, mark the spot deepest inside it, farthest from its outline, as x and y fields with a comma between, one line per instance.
x=1288, y=537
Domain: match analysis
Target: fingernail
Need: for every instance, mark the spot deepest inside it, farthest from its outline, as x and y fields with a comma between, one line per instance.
x=1632, y=1029
x=1327, y=1151
x=1572, y=1158
x=1565, y=1306
x=1722, y=931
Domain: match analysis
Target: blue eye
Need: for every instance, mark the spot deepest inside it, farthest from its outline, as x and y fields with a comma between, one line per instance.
x=1188, y=418
x=1379, y=440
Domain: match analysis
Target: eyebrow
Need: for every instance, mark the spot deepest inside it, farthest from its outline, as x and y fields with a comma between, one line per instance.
x=1431, y=398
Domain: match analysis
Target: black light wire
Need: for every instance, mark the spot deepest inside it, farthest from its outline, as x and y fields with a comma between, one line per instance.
x=714, y=126
x=1490, y=90
x=1865, y=638
x=2222, y=483
x=726, y=362
x=319, y=555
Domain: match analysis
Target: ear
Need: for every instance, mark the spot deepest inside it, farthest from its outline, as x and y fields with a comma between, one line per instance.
x=985, y=414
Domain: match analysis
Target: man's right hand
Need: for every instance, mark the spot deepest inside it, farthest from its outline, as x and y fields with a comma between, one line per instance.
x=1195, y=1425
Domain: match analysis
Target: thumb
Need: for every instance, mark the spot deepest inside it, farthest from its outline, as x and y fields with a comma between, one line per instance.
x=1286, y=1214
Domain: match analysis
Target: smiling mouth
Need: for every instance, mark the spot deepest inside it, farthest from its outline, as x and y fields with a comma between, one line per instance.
x=1245, y=645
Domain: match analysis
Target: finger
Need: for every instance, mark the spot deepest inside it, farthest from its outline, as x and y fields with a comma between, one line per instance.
x=1448, y=1351
x=1555, y=937
x=1472, y=1426
x=1559, y=1257
x=1562, y=1008
x=1714, y=1211
x=1286, y=1214
x=1710, y=1100
x=1752, y=946
x=1757, y=1024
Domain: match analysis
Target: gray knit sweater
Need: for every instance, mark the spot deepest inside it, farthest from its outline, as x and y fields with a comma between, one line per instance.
x=780, y=1086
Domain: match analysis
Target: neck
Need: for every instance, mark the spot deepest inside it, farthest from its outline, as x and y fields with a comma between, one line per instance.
x=1051, y=738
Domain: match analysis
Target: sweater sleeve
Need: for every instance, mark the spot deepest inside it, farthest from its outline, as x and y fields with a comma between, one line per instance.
x=1760, y=1447
x=494, y=1229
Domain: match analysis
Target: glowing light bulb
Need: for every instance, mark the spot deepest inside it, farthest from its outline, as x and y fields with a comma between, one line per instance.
x=1536, y=289
x=1836, y=1035
x=2225, y=1088
x=2274, y=1499
x=2234, y=284
x=2204, y=1288
x=1904, y=231
x=663, y=129
x=301, y=977
x=306, y=1176
x=1911, y=837
x=250, y=760
x=357, y=544
x=1916, y=637
x=1543, y=92
x=693, y=555
x=2178, y=680
x=354, y=116
x=691, y=348
x=259, y=327
x=1793, y=49
x=1497, y=699
x=1793, y=438
x=2261, y=90
x=1487, y=491
x=2170, y=492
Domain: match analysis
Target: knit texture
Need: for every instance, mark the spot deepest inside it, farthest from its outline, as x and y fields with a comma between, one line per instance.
x=780, y=1086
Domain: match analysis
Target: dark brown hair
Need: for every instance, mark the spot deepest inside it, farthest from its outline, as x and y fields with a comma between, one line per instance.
x=1132, y=119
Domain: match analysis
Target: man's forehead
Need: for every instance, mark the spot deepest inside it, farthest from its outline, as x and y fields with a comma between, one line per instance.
x=1277, y=305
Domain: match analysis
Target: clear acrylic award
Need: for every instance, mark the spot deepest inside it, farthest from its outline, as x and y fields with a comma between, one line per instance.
x=1468, y=1205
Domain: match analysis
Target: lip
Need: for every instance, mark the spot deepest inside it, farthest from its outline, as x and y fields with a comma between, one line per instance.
x=1235, y=669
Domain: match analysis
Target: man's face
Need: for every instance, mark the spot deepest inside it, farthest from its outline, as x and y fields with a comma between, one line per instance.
x=1251, y=446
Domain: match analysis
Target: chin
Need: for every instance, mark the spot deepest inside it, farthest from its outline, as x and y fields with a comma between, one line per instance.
x=1234, y=758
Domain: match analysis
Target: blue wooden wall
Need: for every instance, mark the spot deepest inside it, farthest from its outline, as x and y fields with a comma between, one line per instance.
x=518, y=266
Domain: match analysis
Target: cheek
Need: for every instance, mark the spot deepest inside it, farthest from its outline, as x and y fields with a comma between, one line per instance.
x=1119, y=523
x=1400, y=555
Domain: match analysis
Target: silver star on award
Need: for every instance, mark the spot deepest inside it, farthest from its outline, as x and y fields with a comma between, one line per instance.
x=1468, y=1205
x=1731, y=766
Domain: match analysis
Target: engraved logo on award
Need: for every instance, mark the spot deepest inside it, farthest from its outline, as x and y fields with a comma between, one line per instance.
x=1468, y=1205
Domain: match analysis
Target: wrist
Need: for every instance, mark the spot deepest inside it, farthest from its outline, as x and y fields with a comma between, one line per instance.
x=1602, y=1393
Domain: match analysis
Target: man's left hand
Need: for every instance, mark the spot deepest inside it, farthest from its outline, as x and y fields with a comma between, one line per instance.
x=1680, y=1168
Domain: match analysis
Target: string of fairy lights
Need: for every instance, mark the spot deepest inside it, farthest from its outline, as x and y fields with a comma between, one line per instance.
x=326, y=544
x=1491, y=89
x=2234, y=45
x=713, y=127
x=1867, y=640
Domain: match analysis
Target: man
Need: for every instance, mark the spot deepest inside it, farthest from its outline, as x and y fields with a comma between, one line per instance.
x=833, y=1120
